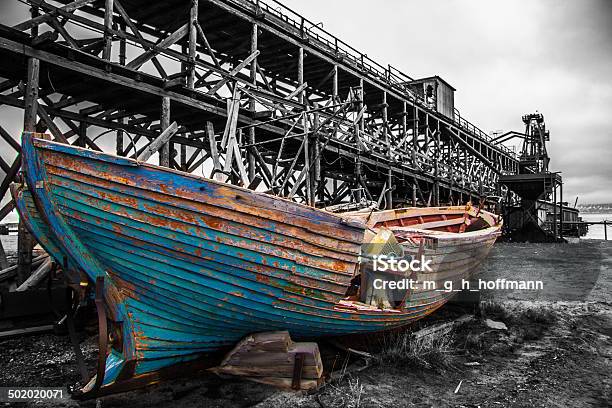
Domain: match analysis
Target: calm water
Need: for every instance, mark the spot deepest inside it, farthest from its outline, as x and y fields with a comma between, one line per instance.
x=597, y=231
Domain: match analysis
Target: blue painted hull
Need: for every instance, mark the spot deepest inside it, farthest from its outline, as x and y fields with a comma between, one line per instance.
x=192, y=266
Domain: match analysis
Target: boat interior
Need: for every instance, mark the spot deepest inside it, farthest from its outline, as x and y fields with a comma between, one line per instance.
x=406, y=233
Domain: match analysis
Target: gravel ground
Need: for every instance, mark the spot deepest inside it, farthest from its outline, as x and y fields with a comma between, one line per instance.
x=556, y=351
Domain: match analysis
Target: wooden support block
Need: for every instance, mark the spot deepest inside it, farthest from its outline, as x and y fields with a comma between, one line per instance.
x=273, y=358
x=298, y=368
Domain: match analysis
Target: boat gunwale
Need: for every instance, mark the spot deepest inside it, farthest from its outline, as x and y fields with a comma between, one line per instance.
x=103, y=156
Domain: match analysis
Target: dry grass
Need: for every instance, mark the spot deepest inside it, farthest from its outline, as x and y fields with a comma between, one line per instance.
x=493, y=310
x=539, y=315
x=473, y=342
x=534, y=322
x=346, y=393
x=431, y=352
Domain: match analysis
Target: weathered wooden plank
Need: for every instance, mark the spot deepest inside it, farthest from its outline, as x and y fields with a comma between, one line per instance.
x=9, y=139
x=207, y=44
x=6, y=209
x=55, y=131
x=214, y=153
x=233, y=72
x=59, y=28
x=75, y=5
x=119, y=7
x=159, y=142
x=11, y=271
x=10, y=176
x=27, y=330
x=163, y=44
x=36, y=277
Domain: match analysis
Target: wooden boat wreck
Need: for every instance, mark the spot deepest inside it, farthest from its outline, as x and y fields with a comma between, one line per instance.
x=184, y=266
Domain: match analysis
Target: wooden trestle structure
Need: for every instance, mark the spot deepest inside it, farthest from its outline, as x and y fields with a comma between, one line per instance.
x=262, y=97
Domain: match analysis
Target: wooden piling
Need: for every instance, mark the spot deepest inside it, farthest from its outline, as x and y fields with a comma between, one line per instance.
x=164, y=152
x=193, y=37
x=250, y=156
x=108, y=25
x=25, y=241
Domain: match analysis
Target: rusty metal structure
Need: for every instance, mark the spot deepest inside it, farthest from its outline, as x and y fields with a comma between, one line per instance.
x=262, y=97
x=536, y=211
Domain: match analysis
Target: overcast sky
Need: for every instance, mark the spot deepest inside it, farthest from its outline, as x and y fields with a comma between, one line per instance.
x=505, y=59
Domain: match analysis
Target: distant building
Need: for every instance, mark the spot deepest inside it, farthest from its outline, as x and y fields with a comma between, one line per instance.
x=437, y=93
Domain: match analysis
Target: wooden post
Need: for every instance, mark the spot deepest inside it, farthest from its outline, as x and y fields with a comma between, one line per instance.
x=251, y=156
x=415, y=135
x=108, y=25
x=361, y=104
x=404, y=122
x=357, y=184
x=389, y=184
x=24, y=239
x=466, y=170
x=426, y=133
x=605, y=230
x=335, y=84
x=316, y=183
x=164, y=153
x=31, y=95
x=307, y=147
x=300, y=73
x=359, y=130
x=305, y=127
x=193, y=38
x=122, y=61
